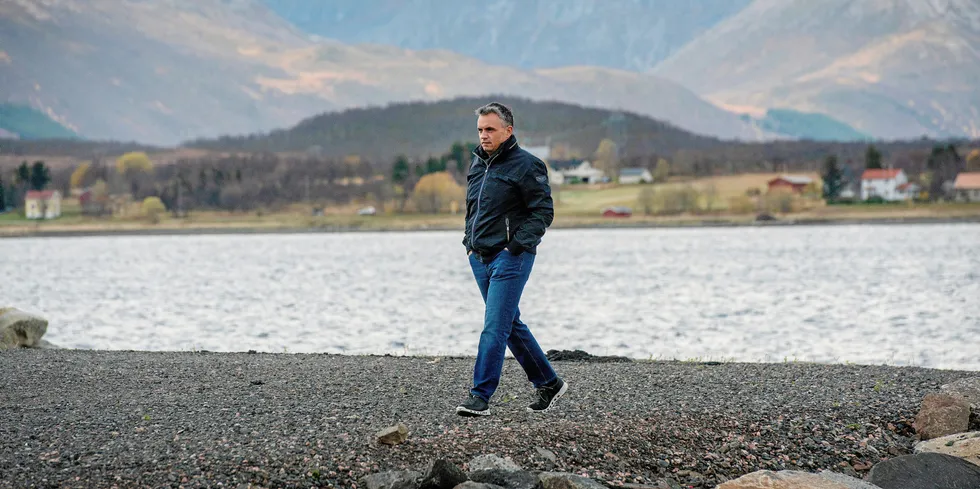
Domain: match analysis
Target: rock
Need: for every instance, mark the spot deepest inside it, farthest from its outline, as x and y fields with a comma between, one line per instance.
x=968, y=388
x=784, y=479
x=582, y=356
x=19, y=328
x=442, y=474
x=925, y=471
x=484, y=462
x=942, y=415
x=399, y=479
x=509, y=479
x=561, y=480
x=393, y=435
x=963, y=445
x=848, y=481
x=477, y=485
x=547, y=454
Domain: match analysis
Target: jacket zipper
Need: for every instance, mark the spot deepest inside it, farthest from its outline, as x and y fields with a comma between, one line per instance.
x=507, y=221
x=479, y=196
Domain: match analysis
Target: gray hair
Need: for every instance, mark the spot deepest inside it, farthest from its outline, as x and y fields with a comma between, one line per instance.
x=500, y=109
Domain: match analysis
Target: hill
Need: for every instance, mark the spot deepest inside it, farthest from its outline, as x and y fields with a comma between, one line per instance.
x=23, y=122
x=165, y=71
x=429, y=128
x=888, y=68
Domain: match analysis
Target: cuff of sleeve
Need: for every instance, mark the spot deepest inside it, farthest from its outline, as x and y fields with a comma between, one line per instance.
x=515, y=248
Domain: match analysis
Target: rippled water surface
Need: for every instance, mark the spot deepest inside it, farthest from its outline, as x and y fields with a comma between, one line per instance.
x=904, y=294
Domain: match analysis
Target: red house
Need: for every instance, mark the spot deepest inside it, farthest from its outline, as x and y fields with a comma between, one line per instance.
x=792, y=183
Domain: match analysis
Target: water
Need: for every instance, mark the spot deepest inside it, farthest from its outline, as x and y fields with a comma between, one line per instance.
x=901, y=295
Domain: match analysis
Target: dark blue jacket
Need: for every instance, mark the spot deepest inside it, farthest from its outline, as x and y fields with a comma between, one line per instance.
x=508, y=201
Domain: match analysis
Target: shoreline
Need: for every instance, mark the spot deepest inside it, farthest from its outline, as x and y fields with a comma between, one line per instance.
x=82, y=230
x=83, y=418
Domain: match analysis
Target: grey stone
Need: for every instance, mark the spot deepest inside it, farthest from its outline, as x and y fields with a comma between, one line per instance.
x=477, y=485
x=562, y=480
x=490, y=461
x=442, y=474
x=20, y=329
x=399, y=479
x=925, y=471
x=962, y=445
x=968, y=388
x=846, y=480
x=547, y=454
x=510, y=479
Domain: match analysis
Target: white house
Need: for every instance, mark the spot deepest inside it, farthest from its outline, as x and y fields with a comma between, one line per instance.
x=967, y=187
x=578, y=171
x=42, y=204
x=889, y=184
x=629, y=176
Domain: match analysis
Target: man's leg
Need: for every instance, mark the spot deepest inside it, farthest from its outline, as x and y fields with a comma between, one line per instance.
x=477, y=405
x=508, y=274
x=529, y=354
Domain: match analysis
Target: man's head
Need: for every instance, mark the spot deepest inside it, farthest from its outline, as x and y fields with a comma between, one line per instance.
x=495, y=123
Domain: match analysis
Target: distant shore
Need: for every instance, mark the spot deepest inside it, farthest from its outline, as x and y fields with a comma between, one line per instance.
x=79, y=418
x=344, y=224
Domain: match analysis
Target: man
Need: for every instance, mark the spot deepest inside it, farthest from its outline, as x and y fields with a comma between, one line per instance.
x=508, y=209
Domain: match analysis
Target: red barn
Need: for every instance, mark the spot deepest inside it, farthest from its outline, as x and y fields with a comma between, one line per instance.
x=617, y=212
x=792, y=183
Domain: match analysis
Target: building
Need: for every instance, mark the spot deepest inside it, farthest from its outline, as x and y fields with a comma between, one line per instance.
x=42, y=204
x=792, y=183
x=967, y=187
x=578, y=171
x=629, y=176
x=886, y=184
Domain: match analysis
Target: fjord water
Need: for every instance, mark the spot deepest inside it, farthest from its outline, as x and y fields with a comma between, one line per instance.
x=872, y=294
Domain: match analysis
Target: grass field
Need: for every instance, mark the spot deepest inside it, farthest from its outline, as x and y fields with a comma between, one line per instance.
x=574, y=207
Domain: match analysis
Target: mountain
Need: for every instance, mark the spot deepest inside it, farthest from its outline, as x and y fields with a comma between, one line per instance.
x=22, y=122
x=420, y=129
x=166, y=71
x=623, y=34
x=887, y=68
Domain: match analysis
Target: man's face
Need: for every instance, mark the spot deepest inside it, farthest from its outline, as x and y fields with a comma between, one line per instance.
x=493, y=131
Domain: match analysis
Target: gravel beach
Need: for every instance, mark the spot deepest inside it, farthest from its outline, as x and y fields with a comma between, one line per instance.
x=78, y=418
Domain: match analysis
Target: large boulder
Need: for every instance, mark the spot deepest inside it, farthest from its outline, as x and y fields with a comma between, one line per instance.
x=21, y=329
x=925, y=471
x=784, y=479
x=846, y=480
x=561, y=480
x=397, y=479
x=968, y=388
x=963, y=445
x=442, y=474
x=942, y=415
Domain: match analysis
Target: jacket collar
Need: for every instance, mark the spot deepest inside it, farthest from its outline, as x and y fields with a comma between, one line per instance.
x=505, y=147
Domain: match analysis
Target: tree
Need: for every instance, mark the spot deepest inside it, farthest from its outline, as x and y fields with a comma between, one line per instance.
x=153, y=208
x=832, y=179
x=944, y=164
x=40, y=176
x=973, y=161
x=135, y=167
x=872, y=158
x=78, y=176
x=23, y=175
x=662, y=171
x=647, y=200
x=401, y=171
x=3, y=196
x=436, y=191
x=606, y=158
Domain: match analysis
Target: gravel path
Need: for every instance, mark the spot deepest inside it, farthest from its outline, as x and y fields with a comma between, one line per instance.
x=147, y=419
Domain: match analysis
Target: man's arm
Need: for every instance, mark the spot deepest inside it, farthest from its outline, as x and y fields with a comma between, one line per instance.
x=536, y=191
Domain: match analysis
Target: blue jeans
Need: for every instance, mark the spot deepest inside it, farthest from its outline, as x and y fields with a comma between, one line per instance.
x=501, y=282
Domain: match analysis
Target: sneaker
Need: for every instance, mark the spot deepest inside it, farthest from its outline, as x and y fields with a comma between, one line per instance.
x=547, y=395
x=473, y=406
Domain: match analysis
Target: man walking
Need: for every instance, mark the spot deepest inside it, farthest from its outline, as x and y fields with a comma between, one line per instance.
x=508, y=209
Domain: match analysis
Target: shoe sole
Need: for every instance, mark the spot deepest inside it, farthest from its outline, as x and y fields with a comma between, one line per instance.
x=471, y=413
x=561, y=392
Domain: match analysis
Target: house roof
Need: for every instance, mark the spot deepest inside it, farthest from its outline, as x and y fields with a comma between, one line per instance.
x=967, y=181
x=880, y=173
x=908, y=185
x=565, y=164
x=794, y=179
x=632, y=172
x=39, y=194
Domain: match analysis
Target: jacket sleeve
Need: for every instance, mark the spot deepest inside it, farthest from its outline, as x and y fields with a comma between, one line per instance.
x=469, y=213
x=536, y=191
